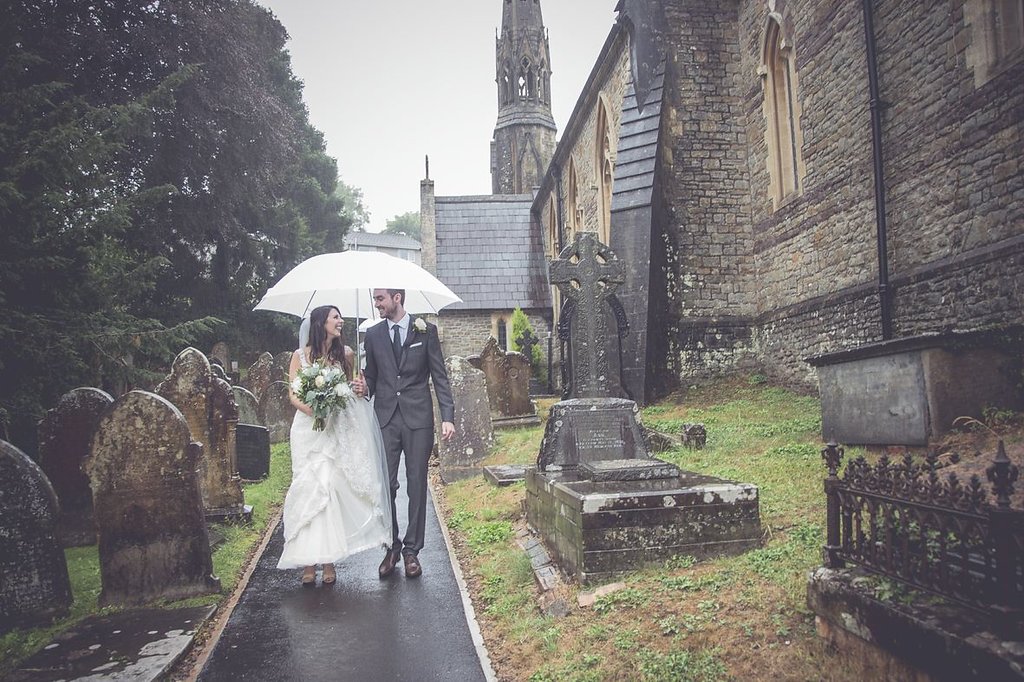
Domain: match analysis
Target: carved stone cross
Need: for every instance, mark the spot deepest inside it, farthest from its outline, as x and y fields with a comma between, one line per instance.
x=526, y=342
x=587, y=273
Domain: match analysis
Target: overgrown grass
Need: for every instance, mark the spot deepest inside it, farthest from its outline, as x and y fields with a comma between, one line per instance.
x=728, y=618
x=229, y=559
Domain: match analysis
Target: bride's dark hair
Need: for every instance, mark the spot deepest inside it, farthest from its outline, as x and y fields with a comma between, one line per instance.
x=317, y=336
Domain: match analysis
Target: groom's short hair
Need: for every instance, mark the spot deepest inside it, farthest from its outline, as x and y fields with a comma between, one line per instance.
x=401, y=292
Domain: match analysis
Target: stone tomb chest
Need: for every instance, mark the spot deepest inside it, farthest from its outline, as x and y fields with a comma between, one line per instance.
x=604, y=506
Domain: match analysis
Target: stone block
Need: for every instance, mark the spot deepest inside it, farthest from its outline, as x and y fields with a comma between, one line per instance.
x=629, y=470
x=504, y=474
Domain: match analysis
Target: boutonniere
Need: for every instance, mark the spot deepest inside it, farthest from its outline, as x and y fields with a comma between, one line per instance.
x=419, y=324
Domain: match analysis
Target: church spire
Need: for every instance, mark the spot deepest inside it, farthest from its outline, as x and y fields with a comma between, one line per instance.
x=524, y=136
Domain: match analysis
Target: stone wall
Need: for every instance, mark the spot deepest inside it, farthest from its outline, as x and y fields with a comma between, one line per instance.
x=464, y=332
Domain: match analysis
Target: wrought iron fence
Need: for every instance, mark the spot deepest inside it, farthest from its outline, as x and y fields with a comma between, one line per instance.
x=904, y=520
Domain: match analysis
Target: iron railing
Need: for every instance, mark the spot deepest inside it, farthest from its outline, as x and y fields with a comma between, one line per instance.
x=905, y=521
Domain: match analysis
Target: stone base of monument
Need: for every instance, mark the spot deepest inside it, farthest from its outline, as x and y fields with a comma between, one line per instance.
x=598, y=529
x=241, y=514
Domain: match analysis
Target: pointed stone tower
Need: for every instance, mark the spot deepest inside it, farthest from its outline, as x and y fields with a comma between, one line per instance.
x=524, y=136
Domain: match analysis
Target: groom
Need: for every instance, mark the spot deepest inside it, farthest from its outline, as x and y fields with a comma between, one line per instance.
x=400, y=356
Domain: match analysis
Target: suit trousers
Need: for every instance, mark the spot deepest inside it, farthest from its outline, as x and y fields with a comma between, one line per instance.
x=417, y=445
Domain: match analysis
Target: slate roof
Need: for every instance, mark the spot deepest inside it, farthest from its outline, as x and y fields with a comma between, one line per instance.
x=638, y=146
x=489, y=253
x=388, y=241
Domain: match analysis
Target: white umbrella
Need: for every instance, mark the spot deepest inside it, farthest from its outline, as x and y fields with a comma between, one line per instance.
x=347, y=280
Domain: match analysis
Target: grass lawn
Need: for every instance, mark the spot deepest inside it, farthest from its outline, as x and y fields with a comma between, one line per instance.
x=229, y=560
x=742, y=617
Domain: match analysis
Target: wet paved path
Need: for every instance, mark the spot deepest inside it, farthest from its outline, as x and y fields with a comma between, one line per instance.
x=362, y=628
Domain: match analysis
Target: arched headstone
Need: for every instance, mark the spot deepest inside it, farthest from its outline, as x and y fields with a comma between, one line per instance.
x=153, y=541
x=208, y=406
x=34, y=585
x=460, y=456
x=64, y=436
x=508, y=384
x=261, y=374
x=220, y=354
x=277, y=411
x=248, y=406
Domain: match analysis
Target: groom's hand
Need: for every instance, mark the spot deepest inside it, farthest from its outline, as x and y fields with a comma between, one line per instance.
x=447, y=430
x=359, y=385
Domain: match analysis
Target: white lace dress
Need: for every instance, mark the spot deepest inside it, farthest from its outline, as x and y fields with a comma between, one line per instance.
x=338, y=503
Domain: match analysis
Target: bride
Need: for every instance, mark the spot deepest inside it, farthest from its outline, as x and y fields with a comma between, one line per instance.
x=339, y=502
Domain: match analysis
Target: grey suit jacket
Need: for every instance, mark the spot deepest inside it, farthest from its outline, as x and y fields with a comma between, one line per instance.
x=406, y=387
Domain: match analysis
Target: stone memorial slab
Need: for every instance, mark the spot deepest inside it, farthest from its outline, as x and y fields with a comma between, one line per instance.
x=220, y=355
x=283, y=362
x=460, y=457
x=248, y=406
x=508, y=385
x=208, y=406
x=153, y=541
x=34, y=585
x=629, y=470
x=137, y=645
x=64, y=436
x=504, y=474
x=261, y=374
x=277, y=411
x=253, y=444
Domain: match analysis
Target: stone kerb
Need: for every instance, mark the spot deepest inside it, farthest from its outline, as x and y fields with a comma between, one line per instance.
x=34, y=587
x=461, y=456
x=508, y=385
x=208, y=406
x=64, y=436
x=153, y=541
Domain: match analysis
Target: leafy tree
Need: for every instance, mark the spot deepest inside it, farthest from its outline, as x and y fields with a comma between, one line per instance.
x=520, y=324
x=408, y=223
x=352, y=209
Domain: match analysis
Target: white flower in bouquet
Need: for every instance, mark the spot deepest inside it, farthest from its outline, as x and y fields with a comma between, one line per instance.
x=319, y=381
x=324, y=388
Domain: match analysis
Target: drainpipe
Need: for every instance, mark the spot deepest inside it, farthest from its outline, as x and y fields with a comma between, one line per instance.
x=876, y=151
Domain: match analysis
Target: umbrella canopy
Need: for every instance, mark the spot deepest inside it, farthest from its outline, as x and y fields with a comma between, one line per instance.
x=347, y=280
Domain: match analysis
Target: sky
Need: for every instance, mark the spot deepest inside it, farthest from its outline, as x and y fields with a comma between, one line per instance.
x=390, y=81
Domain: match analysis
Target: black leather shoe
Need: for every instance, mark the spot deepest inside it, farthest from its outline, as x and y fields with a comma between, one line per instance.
x=412, y=566
x=387, y=567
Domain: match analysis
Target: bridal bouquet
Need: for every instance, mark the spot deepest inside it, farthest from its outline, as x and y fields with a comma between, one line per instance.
x=324, y=388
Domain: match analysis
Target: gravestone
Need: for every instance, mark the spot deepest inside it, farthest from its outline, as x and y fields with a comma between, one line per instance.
x=220, y=355
x=527, y=342
x=508, y=385
x=283, y=362
x=600, y=501
x=253, y=443
x=34, y=585
x=694, y=436
x=208, y=406
x=218, y=371
x=261, y=374
x=153, y=541
x=460, y=456
x=64, y=436
x=277, y=411
x=248, y=406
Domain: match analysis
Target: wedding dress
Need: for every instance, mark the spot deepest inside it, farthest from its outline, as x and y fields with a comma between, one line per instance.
x=339, y=502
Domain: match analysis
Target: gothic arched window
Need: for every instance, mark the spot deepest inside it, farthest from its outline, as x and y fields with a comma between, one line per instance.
x=573, y=213
x=997, y=36
x=782, y=115
x=603, y=170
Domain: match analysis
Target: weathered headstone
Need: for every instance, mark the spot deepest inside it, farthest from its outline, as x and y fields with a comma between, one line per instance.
x=248, y=406
x=277, y=411
x=253, y=443
x=600, y=501
x=460, y=456
x=261, y=374
x=34, y=585
x=208, y=406
x=153, y=541
x=694, y=436
x=64, y=436
x=219, y=372
x=508, y=385
x=527, y=342
x=220, y=354
x=283, y=362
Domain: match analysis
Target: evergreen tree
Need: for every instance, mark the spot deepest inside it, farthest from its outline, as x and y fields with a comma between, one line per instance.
x=520, y=323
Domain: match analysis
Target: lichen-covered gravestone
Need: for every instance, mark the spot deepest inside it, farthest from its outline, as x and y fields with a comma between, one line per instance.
x=34, y=586
x=220, y=354
x=277, y=411
x=208, y=405
x=261, y=374
x=283, y=362
x=248, y=406
x=153, y=541
x=508, y=385
x=460, y=456
x=64, y=436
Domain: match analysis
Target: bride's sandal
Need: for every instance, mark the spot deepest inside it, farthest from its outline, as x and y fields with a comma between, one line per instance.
x=309, y=576
x=329, y=574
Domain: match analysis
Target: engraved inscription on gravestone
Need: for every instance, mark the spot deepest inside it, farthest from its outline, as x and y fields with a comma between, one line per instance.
x=598, y=435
